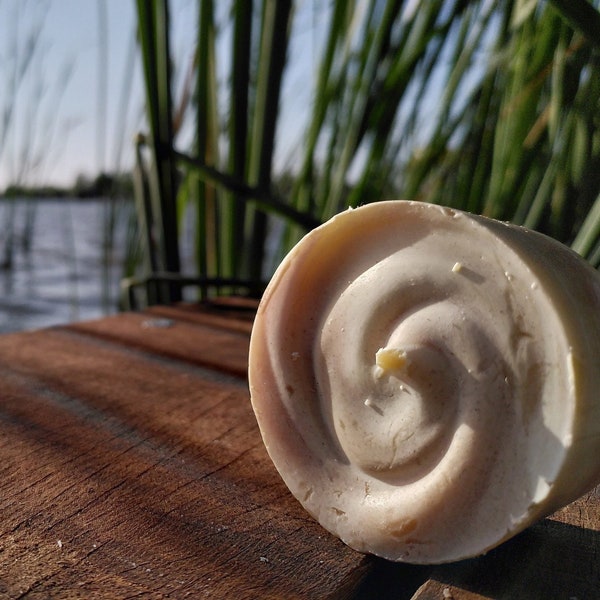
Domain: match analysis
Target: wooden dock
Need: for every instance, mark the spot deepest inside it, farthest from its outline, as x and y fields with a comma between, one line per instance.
x=132, y=467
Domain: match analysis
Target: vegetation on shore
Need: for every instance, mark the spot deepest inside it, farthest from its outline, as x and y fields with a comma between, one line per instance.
x=491, y=107
x=104, y=185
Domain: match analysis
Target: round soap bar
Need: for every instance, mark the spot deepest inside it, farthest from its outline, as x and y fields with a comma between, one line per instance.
x=427, y=381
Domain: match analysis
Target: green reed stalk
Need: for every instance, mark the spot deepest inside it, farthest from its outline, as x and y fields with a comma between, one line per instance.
x=275, y=23
x=153, y=21
x=206, y=141
x=234, y=208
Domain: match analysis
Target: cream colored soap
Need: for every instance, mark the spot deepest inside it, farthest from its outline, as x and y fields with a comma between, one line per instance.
x=427, y=381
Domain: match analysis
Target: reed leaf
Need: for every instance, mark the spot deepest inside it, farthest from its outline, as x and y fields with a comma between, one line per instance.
x=582, y=16
x=589, y=234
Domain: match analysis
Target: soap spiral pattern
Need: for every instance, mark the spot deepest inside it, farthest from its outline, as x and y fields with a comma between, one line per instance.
x=414, y=380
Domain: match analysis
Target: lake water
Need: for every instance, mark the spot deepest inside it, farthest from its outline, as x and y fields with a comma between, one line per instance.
x=64, y=276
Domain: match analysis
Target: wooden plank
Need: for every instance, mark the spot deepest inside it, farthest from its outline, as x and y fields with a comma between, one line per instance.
x=128, y=473
x=549, y=560
x=131, y=465
x=435, y=590
x=210, y=345
x=225, y=313
x=584, y=512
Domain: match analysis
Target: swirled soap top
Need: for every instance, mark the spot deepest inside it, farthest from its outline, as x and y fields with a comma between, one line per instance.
x=420, y=378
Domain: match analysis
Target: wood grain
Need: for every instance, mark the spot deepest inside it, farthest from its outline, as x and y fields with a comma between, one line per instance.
x=131, y=466
x=126, y=472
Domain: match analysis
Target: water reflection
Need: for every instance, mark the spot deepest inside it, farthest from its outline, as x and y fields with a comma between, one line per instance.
x=54, y=265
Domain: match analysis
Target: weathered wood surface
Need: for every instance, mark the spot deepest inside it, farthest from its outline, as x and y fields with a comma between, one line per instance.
x=131, y=467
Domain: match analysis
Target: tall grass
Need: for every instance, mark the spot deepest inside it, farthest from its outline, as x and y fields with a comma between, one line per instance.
x=28, y=127
x=34, y=83
x=491, y=107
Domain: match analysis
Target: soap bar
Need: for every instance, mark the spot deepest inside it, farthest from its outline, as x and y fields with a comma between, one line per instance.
x=427, y=381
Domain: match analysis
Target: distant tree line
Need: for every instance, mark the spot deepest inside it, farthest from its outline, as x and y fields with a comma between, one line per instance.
x=102, y=185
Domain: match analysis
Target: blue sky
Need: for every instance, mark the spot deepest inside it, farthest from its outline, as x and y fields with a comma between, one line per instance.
x=65, y=122
x=59, y=125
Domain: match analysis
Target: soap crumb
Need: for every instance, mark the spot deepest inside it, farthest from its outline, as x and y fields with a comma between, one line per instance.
x=370, y=404
x=457, y=267
x=447, y=594
x=59, y=543
x=391, y=359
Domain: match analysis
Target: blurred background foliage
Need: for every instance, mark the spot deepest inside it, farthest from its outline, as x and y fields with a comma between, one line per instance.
x=488, y=106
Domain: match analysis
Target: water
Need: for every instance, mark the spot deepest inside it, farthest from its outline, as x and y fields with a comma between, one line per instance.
x=63, y=276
